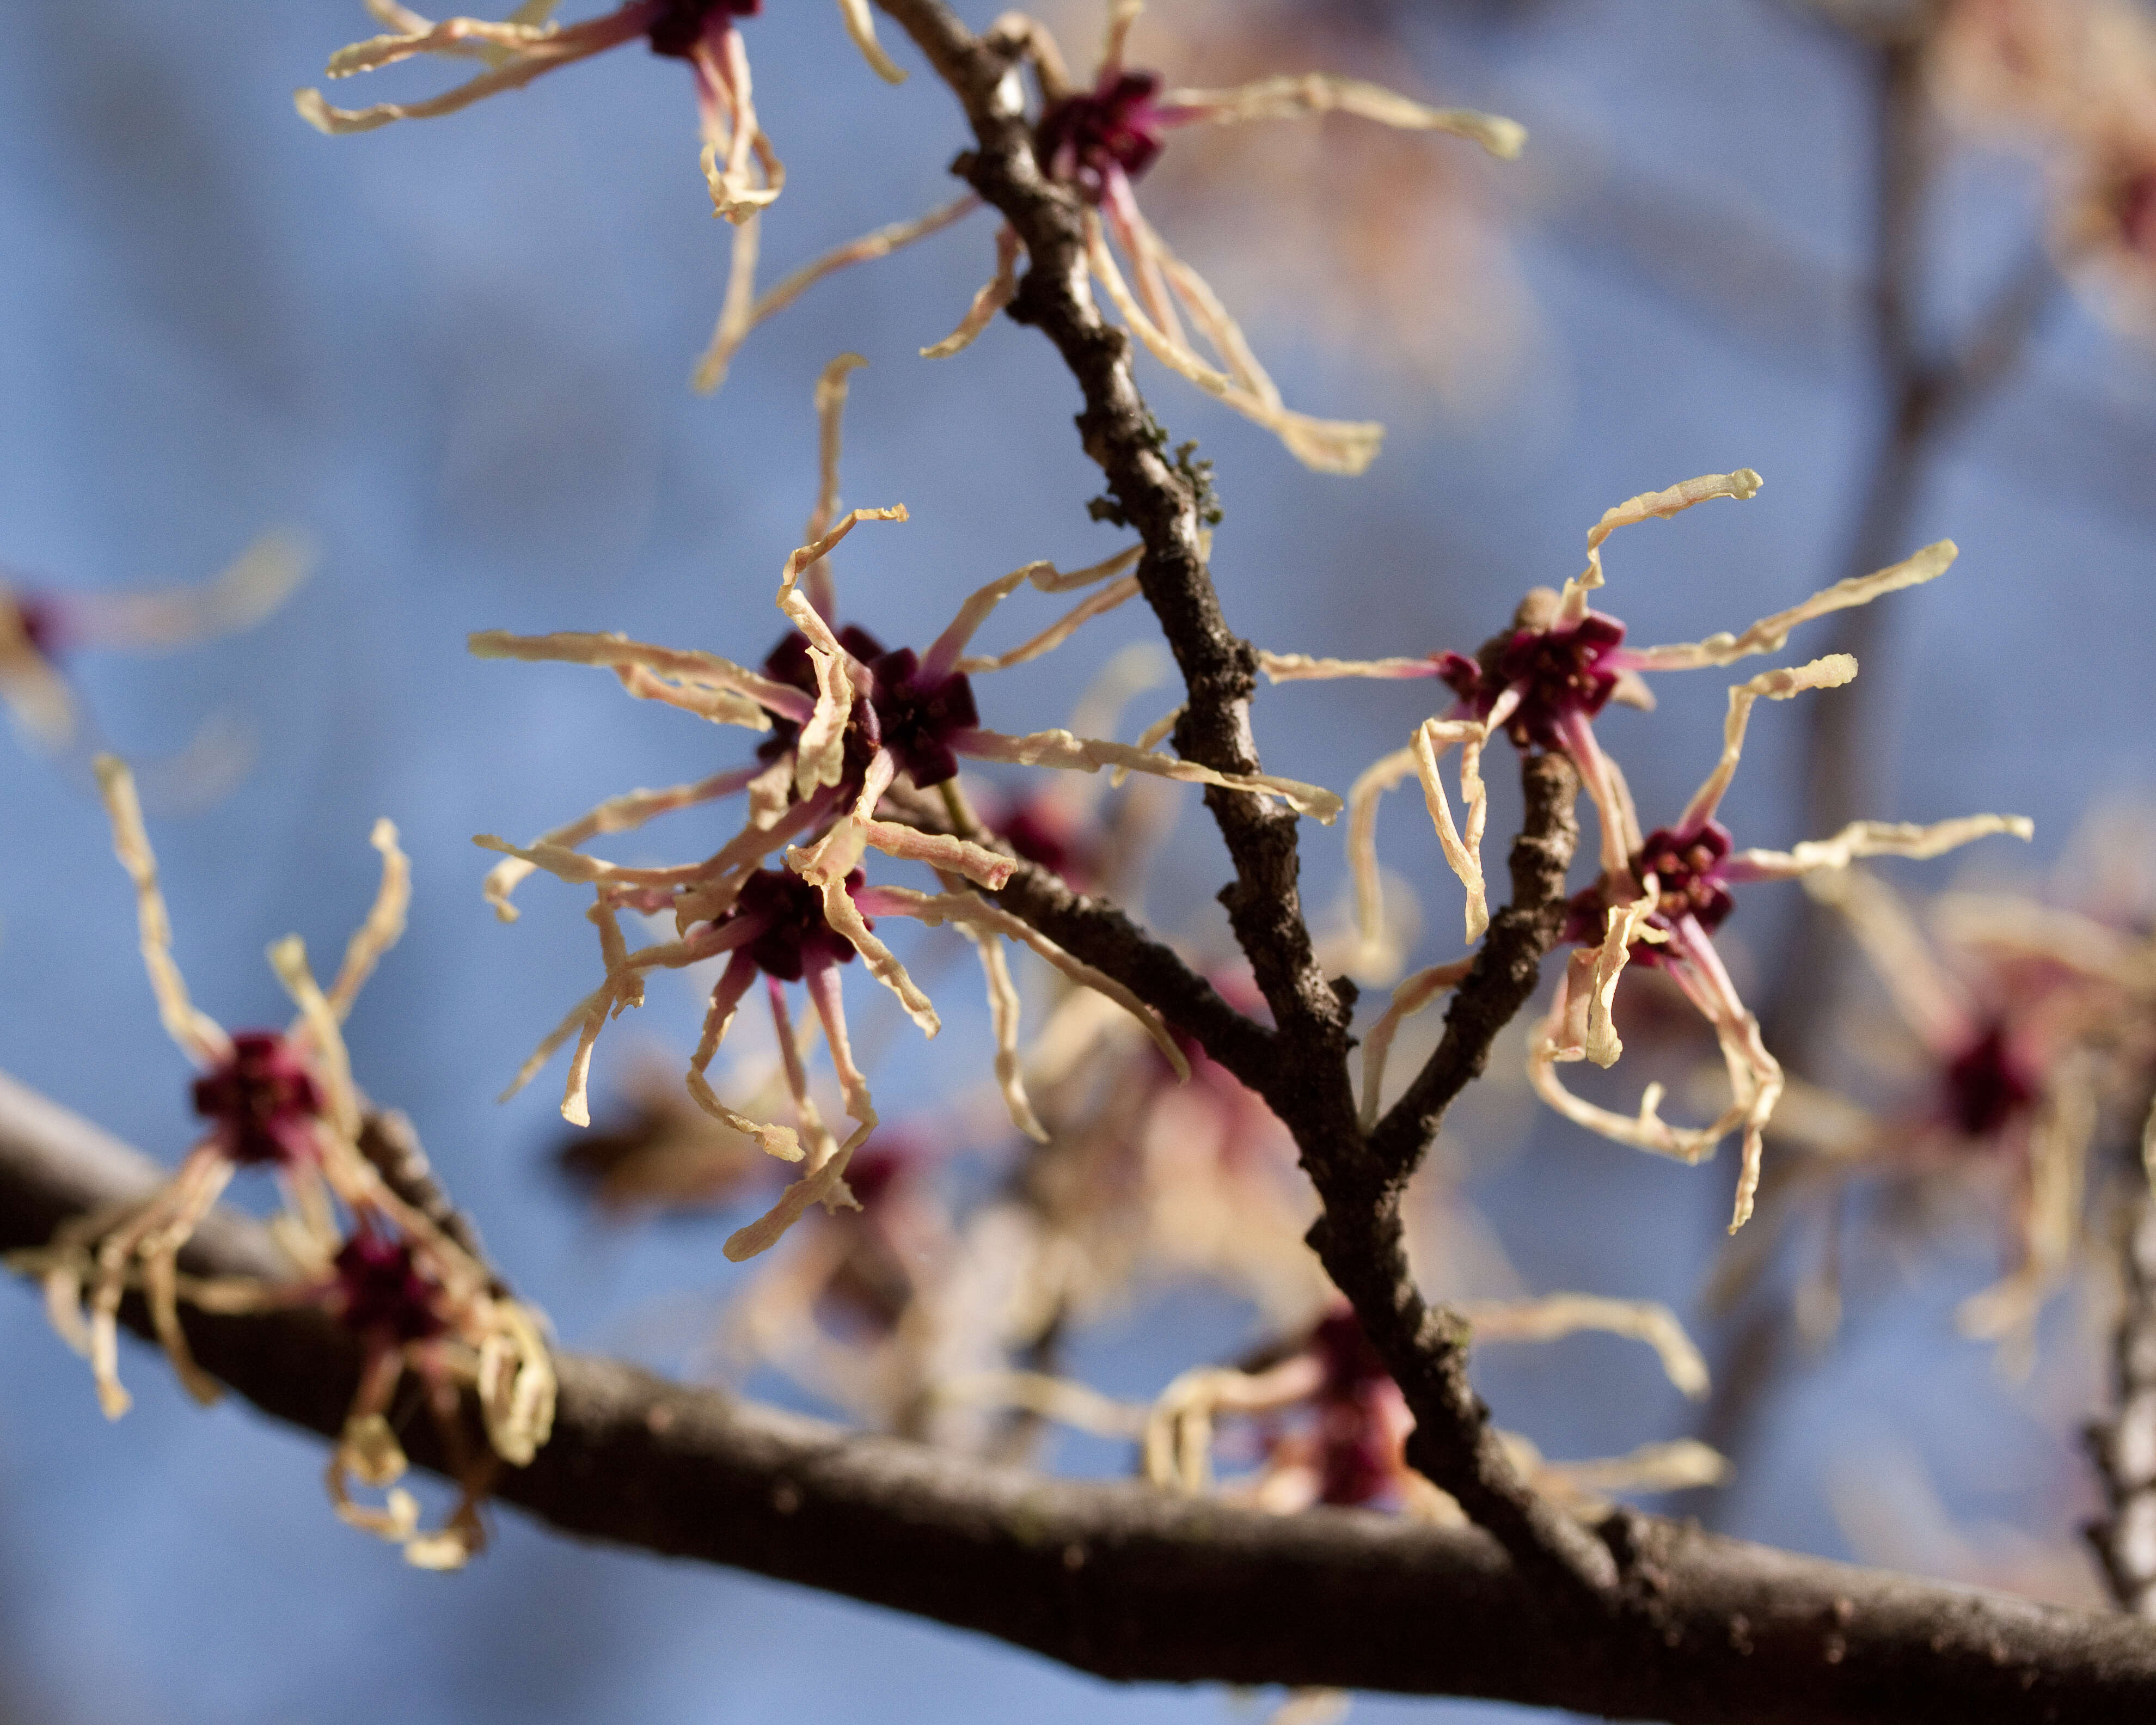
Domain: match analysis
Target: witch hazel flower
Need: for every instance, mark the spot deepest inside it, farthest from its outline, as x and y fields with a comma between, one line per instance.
x=851, y=1310
x=40, y=628
x=740, y=167
x=1099, y=141
x=1659, y=907
x=2075, y=82
x=280, y=1100
x=1542, y=683
x=419, y=1305
x=1332, y=1425
x=284, y=1101
x=2029, y=1023
x=1149, y=1178
x=848, y=723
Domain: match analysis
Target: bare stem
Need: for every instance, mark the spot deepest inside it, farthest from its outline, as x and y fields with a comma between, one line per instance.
x=2124, y=1444
x=1303, y=1073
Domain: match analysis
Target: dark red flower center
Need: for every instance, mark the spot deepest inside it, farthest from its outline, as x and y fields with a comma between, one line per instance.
x=1688, y=880
x=39, y=621
x=680, y=24
x=1355, y=1444
x=878, y=1170
x=1044, y=834
x=382, y=1291
x=788, y=662
x=1344, y=1348
x=917, y=718
x=2136, y=213
x=795, y=930
x=1557, y=671
x=262, y=1101
x=1113, y=124
x=1986, y=1085
x=1687, y=871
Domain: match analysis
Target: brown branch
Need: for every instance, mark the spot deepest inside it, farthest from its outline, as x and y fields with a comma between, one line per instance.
x=2124, y=1444
x=1136, y=1584
x=1105, y=937
x=388, y=1142
x=1506, y=967
x=1099, y=933
x=1361, y=1240
x=1303, y=1076
x=1219, y=669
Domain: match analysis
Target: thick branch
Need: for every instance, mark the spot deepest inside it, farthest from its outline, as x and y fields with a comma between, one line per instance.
x=1136, y=1584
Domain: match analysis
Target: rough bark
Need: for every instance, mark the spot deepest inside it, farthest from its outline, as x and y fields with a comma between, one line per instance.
x=2124, y=1443
x=1135, y=1585
x=1303, y=1073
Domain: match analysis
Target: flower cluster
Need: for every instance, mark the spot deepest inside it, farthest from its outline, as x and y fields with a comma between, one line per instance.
x=856, y=736
x=2031, y=1027
x=740, y=167
x=1332, y=1426
x=40, y=627
x=284, y=1101
x=1659, y=894
x=2076, y=80
x=1286, y=216
x=418, y=1304
x=1098, y=141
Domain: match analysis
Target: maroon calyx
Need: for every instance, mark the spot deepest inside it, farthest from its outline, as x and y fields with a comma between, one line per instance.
x=795, y=930
x=1687, y=871
x=1115, y=125
x=911, y=718
x=1356, y=1462
x=878, y=1171
x=1987, y=1085
x=1559, y=672
x=2133, y=208
x=40, y=622
x=261, y=1100
x=381, y=1292
x=916, y=719
x=679, y=25
x=789, y=663
x=1044, y=834
x=1688, y=880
